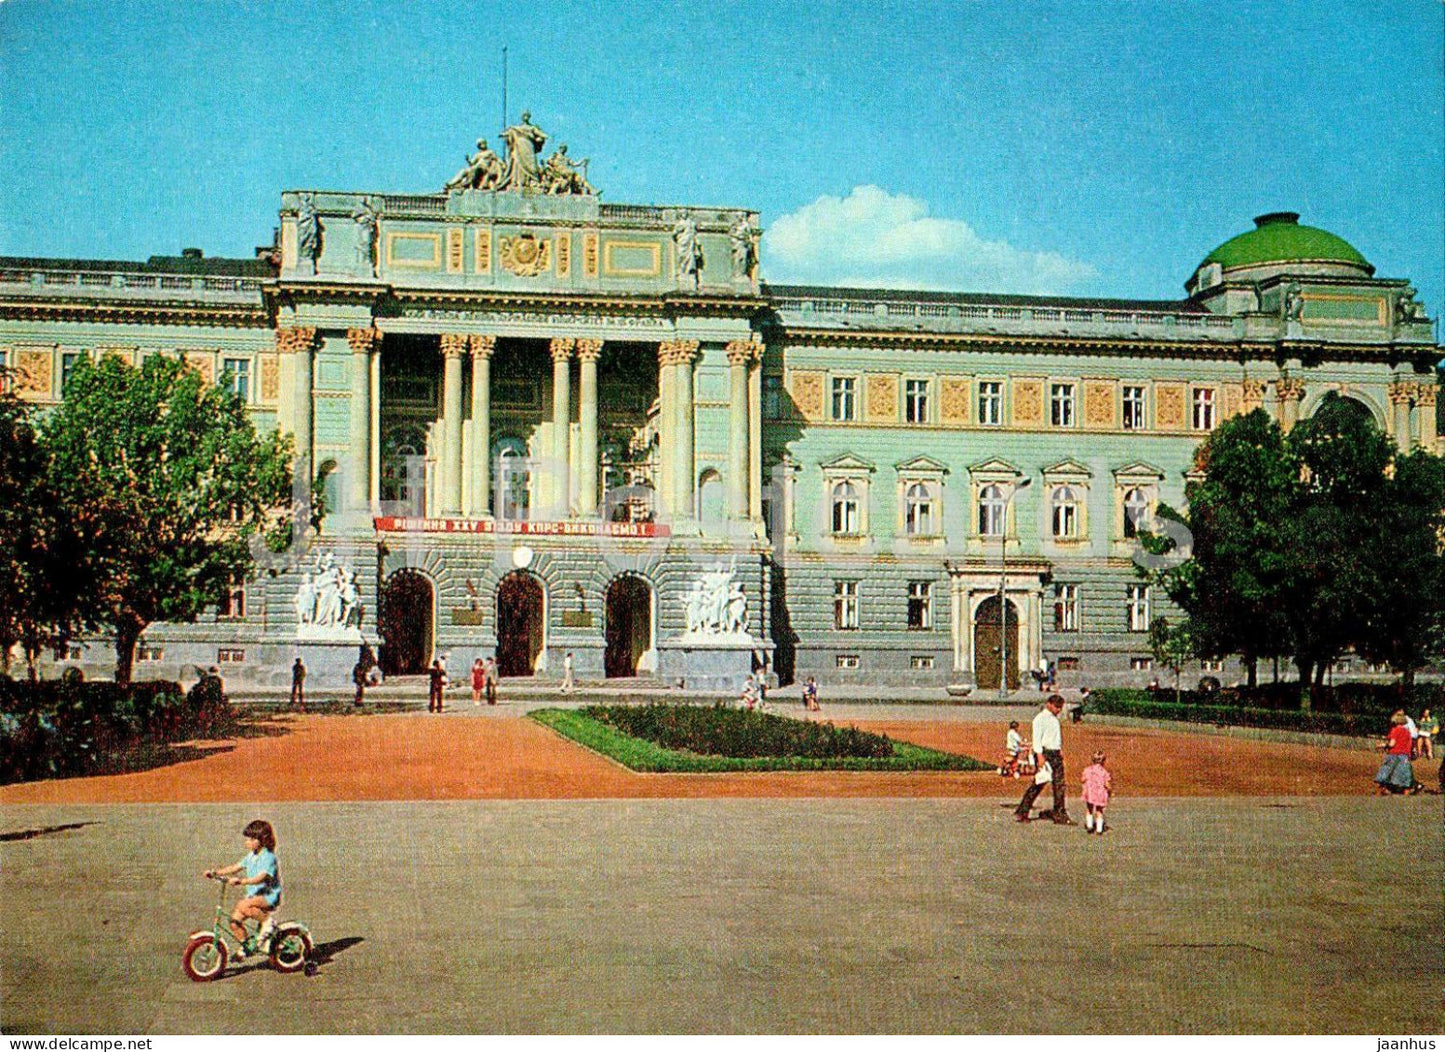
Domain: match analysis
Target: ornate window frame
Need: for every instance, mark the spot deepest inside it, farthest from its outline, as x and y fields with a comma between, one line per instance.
x=928, y=415
x=1135, y=475
x=1077, y=477
x=1125, y=386
x=999, y=473
x=1203, y=396
x=923, y=471
x=1064, y=394
x=855, y=398
x=1001, y=402
x=858, y=472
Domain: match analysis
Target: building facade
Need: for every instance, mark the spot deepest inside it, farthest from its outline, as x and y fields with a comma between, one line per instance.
x=539, y=424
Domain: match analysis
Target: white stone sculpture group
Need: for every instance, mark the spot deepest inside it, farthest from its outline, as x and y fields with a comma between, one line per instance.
x=716, y=605
x=327, y=598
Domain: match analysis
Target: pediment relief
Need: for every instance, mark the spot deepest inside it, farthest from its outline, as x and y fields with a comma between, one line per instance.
x=1139, y=470
x=996, y=468
x=848, y=462
x=921, y=465
x=1068, y=469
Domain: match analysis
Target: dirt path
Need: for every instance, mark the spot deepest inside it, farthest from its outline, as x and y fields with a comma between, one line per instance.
x=419, y=757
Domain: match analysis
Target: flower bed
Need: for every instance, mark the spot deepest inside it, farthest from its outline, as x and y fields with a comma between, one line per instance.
x=693, y=738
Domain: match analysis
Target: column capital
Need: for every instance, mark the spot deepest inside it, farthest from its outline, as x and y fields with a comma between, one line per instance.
x=363, y=340
x=454, y=344
x=1253, y=391
x=1401, y=392
x=589, y=350
x=289, y=341
x=742, y=352
x=1289, y=390
x=482, y=344
x=1426, y=394
x=561, y=348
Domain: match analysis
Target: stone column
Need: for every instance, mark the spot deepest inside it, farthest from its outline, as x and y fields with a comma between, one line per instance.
x=481, y=466
x=740, y=355
x=1427, y=392
x=666, y=425
x=684, y=471
x=374, y=439
x=302, y=344
x=358, y=461
x=588, y=351
x=1289, y=392
x=561, y=488
x=1401, y=393
x=454, y=345
x=755, y=436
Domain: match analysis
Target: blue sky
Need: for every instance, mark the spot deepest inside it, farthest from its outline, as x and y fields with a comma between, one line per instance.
x=1097, y=149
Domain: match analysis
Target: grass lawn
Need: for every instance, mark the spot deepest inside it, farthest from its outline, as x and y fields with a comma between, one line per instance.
x=639, y=754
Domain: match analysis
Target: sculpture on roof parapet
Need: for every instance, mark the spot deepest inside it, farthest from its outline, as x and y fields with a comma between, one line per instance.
x=1406, y=307
x=745, y=253
x=689, y=251
x=524, y=170
x=308, y=230
x=365, y=217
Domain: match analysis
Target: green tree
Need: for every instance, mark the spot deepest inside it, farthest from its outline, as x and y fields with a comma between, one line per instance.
x=176, y=482
x=42, y=572
x=1173, y=646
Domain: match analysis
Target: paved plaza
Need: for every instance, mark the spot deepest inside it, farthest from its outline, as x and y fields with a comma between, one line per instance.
x=1278, y=915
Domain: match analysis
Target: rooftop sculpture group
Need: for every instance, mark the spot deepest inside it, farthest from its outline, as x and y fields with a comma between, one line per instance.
x=523, y=169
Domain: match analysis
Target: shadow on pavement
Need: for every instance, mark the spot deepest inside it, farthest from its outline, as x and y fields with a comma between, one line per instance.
x=31, y=834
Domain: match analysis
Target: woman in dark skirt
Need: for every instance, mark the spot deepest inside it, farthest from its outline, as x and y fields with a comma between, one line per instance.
x=1396, y=775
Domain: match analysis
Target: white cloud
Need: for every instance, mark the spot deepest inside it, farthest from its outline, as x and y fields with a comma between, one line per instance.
x=877, y=239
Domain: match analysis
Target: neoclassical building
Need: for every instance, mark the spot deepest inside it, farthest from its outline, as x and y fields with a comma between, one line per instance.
x=539, y=424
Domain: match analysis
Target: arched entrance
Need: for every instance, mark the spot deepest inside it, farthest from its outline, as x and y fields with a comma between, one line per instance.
x=407, y=608
x=989, y=635
x=629, y=624
x=521, y=624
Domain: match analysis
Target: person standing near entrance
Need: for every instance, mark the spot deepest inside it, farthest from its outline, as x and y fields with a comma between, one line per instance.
x=358, y=677
x=491, y=681
x=298, y=684
x=1048, y=746
x=567, y=683
x=436, y=680
x=479, y=681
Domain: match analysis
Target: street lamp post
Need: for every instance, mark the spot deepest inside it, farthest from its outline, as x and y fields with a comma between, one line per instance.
x=1002, y=586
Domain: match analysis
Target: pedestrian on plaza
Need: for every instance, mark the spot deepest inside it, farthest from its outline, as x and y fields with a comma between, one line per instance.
x=1098, y=784
x=1414, y=735
x=436, y=680
x=567, y=683
x=749, y=696
x=1041, y=677
x=1076, y=714
x=1428, y=727
x=479, y=681
x=298, y=684
x=810, y=696
x=491, y=681
x=358, y=677
x=1396, y=775
x=1048, y=748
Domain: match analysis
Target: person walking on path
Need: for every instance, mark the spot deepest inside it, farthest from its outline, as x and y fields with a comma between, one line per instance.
x=479, y=681
x=1428, y=727
x=358, y=676
x=567, y=683
x=1098, y=783
x=491, y=681
x=1048, y=746
x=436, y=681
x=1395, y=774
x=298, y=684
x=810, y=696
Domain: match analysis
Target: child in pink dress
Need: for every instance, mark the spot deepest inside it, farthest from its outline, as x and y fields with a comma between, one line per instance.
x=1097, y=783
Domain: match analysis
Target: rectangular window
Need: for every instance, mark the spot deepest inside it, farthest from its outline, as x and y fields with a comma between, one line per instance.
x=67, y=366
x=845, y=604
x=1137, y=600
x=236, y=374
x=146, y=652
x=921, y=662
x=772, y=397
x=920, y=604
x=1068, y=664
x=845, y=661
x=69, y=652
x=233, y=603
x=1204, y=409
x=1061, y=405
x=990, y=402
x=1211, y=665
x=230, y=656
x=1133, y=408
x=1140, y=664
x=915, y=401
x=1066, y=608
x=844, y=398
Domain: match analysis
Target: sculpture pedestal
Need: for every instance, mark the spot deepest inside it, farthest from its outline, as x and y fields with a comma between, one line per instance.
x=328, y=661
x=712, y=662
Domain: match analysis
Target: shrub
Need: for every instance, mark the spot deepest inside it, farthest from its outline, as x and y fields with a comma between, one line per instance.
x=1154, y=706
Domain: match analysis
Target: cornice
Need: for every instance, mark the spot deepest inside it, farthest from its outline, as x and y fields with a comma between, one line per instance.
x=238, y=316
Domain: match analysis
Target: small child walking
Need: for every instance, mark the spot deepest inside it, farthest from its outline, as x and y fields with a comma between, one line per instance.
x=1013, y=745
x=1097, y=784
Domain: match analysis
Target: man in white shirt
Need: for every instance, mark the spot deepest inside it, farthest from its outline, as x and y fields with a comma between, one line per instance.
x=1048, y=746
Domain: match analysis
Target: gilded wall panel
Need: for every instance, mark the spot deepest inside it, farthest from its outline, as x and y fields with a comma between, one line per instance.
x=454, y=250
x=589, y=254
x=882, y=395
x=953, y=399
x=807, y=391
x=1028, y=402
x=1169, y=405
x=204, y=363
x=564, y=253
x=1231, y=397
x=270, y=378
x=34, y=372
x=483, y=262
x=1099, y=404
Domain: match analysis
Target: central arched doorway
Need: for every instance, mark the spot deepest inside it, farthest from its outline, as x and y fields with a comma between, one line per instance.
x=407, y=609
x=629, y=625
x=521, y=624
x=989, y=633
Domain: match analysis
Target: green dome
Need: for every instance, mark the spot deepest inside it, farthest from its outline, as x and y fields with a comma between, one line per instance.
x=1279, y=238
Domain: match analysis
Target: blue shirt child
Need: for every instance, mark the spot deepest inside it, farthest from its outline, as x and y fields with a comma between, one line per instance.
x=261, y=862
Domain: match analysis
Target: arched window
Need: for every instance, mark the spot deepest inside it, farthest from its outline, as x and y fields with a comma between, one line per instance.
x=1136, y=512
x=512, y=480
x=918, y=516
x=991, y=511
x=845, y=508
x=1066, y=512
